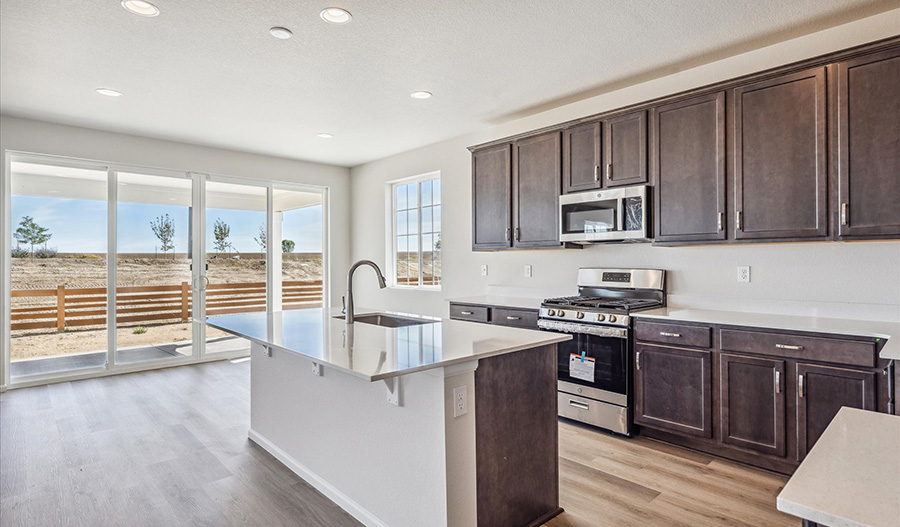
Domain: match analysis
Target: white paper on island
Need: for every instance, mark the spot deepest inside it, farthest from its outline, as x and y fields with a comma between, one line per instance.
x=581, y=367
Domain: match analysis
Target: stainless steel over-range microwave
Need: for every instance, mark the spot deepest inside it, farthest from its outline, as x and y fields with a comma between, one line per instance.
x=612, y=215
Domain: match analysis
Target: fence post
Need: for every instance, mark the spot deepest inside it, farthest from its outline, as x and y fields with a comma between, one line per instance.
x=60, y=308
x=184, y=300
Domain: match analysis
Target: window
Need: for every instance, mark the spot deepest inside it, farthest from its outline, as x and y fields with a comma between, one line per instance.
x=416, y=231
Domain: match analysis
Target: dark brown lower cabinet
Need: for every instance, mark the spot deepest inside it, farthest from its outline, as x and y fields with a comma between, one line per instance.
x=821, y=392
x=673, y=389
x=753, y=403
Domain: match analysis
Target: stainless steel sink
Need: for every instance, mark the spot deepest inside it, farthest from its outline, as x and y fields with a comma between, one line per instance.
x=388, y=321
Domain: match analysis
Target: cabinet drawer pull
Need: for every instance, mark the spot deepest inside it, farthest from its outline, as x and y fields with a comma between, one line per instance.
x=637, y=360
x=596, y=172
x=737, y=220
x=609, y=171
x=667, y=334
x=466, y=313
x=800, y=385
x=721, y=221
x=844, y=207
x=579, y=405
x=788, y=347
x=507, y=234
x=510, y=317
x=518, y=232
x=777, y=381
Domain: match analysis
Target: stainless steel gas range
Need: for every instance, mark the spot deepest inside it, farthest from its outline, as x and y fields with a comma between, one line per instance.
x=595, y=373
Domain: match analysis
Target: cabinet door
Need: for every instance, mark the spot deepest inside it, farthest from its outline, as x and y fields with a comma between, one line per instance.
x=780, y=174
x=688, y=166
x=869, y=145
x=672, y=389
x=752, y=403
x=821, y=392
x=626, y=149
x=537, y=163
x=582, y=157
x=491, y=198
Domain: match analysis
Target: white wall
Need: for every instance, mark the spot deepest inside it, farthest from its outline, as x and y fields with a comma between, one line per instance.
x=825, y=279
x=48, y=138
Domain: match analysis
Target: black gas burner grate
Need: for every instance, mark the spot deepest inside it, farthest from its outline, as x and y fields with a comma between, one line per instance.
x=596, y=302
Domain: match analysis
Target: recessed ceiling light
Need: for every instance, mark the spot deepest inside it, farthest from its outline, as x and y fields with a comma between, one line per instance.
x=140, y=7
x=325, y=135
x=281, y=32
x=420, y=95
x=109, y=92
x=335, y=15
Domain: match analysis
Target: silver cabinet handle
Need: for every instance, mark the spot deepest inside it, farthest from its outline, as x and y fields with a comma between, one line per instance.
x=518, y=232
x=466, y=313
x=844, y=207
x=737, y=220
x=800, y=385
x=609, y=171
x=637, y=360
x=513, y=318
x=777, y=381
x=596, y=172
x=721, y=221
x=667, y=334
x=507, y=234
x=788, y=347
x=579, y=405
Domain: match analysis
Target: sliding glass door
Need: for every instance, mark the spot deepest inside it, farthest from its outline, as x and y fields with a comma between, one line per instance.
x=177, y=246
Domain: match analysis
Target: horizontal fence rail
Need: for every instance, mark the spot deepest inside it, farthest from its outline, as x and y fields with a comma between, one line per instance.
x=74, y=307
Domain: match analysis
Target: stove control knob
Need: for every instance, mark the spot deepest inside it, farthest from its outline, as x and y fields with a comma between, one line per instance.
x=612, y=318
x=561, y=313
x=601, y=317
x=551, y=312
x=579, y=315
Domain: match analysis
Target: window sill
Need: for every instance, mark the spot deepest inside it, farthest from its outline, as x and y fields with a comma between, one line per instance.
x=416, y=288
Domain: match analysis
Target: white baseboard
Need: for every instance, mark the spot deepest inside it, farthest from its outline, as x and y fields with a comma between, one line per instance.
x=341, y=499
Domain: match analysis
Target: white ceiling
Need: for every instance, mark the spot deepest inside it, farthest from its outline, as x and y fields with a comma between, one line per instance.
x=208, y=72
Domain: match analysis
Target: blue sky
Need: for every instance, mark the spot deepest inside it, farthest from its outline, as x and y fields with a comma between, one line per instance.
x=79, y=226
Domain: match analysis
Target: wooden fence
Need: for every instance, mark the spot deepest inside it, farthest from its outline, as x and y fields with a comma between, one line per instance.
x=87, y=306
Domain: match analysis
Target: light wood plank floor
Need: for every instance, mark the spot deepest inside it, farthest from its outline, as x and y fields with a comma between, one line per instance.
x=170, y=448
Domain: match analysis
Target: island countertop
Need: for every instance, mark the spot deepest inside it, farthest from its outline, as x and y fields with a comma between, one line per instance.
x=375, y=352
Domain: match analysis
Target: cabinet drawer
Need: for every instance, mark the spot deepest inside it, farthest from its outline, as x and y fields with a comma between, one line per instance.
x=467, y=312
x=520, y=318
x=677, y=334
x=850, y=352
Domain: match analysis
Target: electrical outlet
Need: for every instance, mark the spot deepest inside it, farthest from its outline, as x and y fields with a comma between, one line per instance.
x=527, y=271
x=483, y=270
x=743, y=273
x=460, y=401
x=317, y=369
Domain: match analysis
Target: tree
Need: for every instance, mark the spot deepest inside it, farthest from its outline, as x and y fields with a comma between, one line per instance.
x=287, y=246
x=164, y=229
x=31, y=233
x=221, y=232
x=263, y=238
x=437, y=243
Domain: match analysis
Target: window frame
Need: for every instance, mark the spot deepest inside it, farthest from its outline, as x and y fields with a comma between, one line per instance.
x=391, y=225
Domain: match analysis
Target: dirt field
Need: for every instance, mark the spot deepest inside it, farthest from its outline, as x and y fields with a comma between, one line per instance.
x=28, y=273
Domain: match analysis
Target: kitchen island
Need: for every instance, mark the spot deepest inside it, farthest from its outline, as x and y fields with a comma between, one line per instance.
x=405, y=420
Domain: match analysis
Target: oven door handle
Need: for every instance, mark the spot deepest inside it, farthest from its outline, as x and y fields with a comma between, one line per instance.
x=587, y=329
x=578, y=404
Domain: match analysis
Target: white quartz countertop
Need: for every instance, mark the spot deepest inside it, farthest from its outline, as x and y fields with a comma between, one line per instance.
x=501, y=301
x=851, y=477
x=374, y=352
x=832, y=326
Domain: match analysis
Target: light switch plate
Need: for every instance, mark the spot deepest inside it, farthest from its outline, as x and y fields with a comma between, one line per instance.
x=460, y=401
x=743, y=273
x=527, y=271
x=483, y=270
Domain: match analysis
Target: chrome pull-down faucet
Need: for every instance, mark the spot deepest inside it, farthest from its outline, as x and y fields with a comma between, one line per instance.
x=348, y=298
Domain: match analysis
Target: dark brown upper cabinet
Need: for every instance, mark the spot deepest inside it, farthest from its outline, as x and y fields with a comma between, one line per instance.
x=492, y=198
x=752, y=403
x=688, y=165
x=583, y=157
x=537, y=184
x=626, y=149
x=780, y=172
x=821, y=392
x=673, y=389
x=869, y=145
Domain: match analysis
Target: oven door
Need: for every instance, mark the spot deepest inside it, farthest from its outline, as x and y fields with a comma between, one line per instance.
x=608, y=215
x=594, y=366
